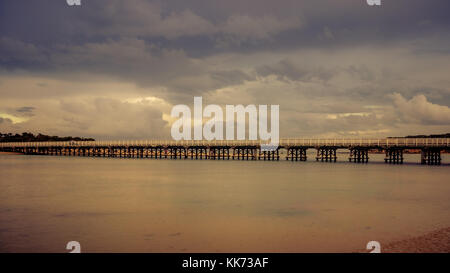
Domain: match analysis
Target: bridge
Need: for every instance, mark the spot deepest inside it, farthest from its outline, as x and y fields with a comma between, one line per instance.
x=291, y=149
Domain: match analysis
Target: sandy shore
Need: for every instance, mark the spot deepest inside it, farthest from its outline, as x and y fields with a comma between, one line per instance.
x=437, y=241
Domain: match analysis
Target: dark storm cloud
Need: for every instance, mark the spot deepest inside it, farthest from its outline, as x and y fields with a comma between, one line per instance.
x=127, y=59
x=50, y=36
x=291, y=23
x=25, y=109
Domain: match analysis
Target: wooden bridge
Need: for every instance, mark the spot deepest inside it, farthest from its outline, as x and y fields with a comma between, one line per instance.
x=291, y=149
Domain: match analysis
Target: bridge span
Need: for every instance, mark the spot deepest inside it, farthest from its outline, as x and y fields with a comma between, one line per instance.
x=292, y=149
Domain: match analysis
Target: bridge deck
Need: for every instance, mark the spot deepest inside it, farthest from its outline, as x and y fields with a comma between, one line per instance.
x=307, y=143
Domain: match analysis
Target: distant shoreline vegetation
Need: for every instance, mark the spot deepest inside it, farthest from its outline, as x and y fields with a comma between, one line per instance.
x=29, y=137
x=426, y=136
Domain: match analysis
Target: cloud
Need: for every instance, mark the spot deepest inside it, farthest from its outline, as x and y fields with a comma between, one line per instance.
x=4, y=120
x=153, y=19
x=25, y=109
x=309, y=86
x=289, y=70
x=18, y=52
x=141, y=18
x=13, y=118
x=112, y=69
x=132, y=60
x=420, y=110
x=99, y=117
x=246, y=26
x=327, y=34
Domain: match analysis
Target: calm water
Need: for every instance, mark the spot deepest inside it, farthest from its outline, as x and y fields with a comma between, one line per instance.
x=147, y=205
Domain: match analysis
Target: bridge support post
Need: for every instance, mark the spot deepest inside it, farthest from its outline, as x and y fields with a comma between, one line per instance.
x=326, y=154
x=394, y=156
x=212, y=153
x=204, y=153
x=296, y=153
x=359, y=155
x=268, y=155
x=431, y=156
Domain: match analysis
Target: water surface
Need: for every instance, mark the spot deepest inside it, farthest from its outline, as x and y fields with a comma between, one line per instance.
x=148, y=205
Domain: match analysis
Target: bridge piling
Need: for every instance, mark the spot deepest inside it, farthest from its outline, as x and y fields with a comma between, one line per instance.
x=359, y=155
x=326, y=154
x=394, y=156
x=296, y=153
x=430, y=156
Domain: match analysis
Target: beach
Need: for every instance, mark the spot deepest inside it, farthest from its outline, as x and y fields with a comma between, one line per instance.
x=437, y=241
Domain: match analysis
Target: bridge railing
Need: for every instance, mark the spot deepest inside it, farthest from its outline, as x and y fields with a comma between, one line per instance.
x=306, y=142
x=388, y=142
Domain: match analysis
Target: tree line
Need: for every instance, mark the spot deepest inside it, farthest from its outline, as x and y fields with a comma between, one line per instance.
x=428, y=136
x=29, y=137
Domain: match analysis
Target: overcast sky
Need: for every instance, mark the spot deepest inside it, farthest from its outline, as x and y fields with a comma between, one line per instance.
x=113, y=69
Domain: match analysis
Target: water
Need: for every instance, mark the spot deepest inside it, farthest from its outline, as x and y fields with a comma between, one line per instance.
x=148, y=205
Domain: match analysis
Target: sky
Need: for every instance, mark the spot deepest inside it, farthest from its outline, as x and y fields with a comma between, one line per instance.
x=112, y=69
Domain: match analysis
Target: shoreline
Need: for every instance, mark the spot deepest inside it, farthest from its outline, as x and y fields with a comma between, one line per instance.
x=437, y=241
x=10, y=153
